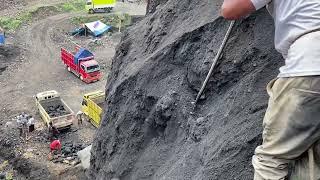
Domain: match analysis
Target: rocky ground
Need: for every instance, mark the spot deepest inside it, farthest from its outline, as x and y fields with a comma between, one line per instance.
x=30, y=63
x=5, y=4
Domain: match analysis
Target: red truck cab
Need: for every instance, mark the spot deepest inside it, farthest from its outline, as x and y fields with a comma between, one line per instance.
x=82, y=64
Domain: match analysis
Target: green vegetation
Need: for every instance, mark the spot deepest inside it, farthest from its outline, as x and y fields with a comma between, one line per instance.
x=13, y=23
x=114, y=20
x=9, y=24
x=72, y=6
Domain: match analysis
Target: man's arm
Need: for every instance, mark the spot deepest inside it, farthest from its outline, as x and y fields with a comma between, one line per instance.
x=236, y=9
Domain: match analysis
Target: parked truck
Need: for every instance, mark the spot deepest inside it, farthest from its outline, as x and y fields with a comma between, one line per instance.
x=93, y=6
x=53, y=109
x=92, y=107
x=82, y=64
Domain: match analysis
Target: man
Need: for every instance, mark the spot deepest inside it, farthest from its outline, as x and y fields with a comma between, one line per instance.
x=291, y=123
x=20, y=125
x=55, y=146
x=2, y=36
x=24, y=121
x=79, y=117
x=53, y=132
x=31, y=123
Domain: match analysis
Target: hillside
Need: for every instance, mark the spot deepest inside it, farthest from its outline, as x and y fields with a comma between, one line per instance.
x=148, y=131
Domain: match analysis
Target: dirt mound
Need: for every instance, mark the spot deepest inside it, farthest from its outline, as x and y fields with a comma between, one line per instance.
x=30, y=170
x=43, y=12
x=148, y=131
x=8, y=54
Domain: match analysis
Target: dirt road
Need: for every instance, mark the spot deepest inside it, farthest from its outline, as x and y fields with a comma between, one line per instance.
x=43, y=70
x=40, y=70
x=37, y=67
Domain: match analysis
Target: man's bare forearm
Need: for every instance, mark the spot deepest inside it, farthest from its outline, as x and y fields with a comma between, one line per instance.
x=236, y=9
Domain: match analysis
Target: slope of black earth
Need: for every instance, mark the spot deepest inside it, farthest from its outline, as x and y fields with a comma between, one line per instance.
x=148, y=130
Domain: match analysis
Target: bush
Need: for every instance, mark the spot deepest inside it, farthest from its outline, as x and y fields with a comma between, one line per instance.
x=10, y=24
x=75, y=5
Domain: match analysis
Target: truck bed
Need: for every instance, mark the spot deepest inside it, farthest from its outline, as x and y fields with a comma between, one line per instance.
x=99, y=102
x=55, y=107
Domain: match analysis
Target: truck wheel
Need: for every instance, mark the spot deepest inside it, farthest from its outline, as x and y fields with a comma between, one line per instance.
x=91, y=11
x=68, y=68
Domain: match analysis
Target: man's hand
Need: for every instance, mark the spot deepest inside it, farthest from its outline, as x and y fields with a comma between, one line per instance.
x=236, y=9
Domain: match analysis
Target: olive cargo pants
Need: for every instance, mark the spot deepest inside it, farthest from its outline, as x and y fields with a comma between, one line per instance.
x=290, y=127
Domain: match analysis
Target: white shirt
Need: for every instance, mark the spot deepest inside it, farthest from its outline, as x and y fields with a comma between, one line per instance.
x=79, y=113
x=296, y=23
x=19, y=121
x=31, y=121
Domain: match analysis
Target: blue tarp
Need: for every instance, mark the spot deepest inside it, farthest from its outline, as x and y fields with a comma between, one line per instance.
x=78, y=31
x=82, y=53
x=97, y=27
x=2, y=39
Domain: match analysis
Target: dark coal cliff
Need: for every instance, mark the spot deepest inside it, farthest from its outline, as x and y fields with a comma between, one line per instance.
x=148, y=131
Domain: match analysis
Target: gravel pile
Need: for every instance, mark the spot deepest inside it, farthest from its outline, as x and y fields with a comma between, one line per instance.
x=56, y=111
x=69, y=154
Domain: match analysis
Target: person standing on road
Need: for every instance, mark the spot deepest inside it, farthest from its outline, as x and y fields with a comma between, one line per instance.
x=79, y=117
x=31, y=123
x=53, y=132
x=24, y=121
x=2, y=36
x=291, y=124
x=20, y=125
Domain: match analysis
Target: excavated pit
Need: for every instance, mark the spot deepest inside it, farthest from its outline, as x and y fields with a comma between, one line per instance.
x=148, y=131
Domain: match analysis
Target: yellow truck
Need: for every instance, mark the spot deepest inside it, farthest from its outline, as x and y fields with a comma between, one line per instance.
x=93, y=6
x=53, y=109
x=92, y=106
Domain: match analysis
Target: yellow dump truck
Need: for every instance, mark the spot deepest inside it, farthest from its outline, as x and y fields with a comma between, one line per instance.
x=53, y=109
x=92, y=106
x=93, y=6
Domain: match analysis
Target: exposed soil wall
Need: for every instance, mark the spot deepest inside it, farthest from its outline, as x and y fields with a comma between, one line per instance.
x=148, y=131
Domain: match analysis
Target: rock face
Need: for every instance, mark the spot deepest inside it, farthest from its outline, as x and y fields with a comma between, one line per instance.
x=148, y=131
x=153, y=4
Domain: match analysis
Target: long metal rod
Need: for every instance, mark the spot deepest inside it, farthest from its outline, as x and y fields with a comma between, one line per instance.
x=311, y=163
x=226, y=37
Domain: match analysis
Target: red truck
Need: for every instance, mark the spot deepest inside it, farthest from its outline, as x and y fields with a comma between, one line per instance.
x=82, y=64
